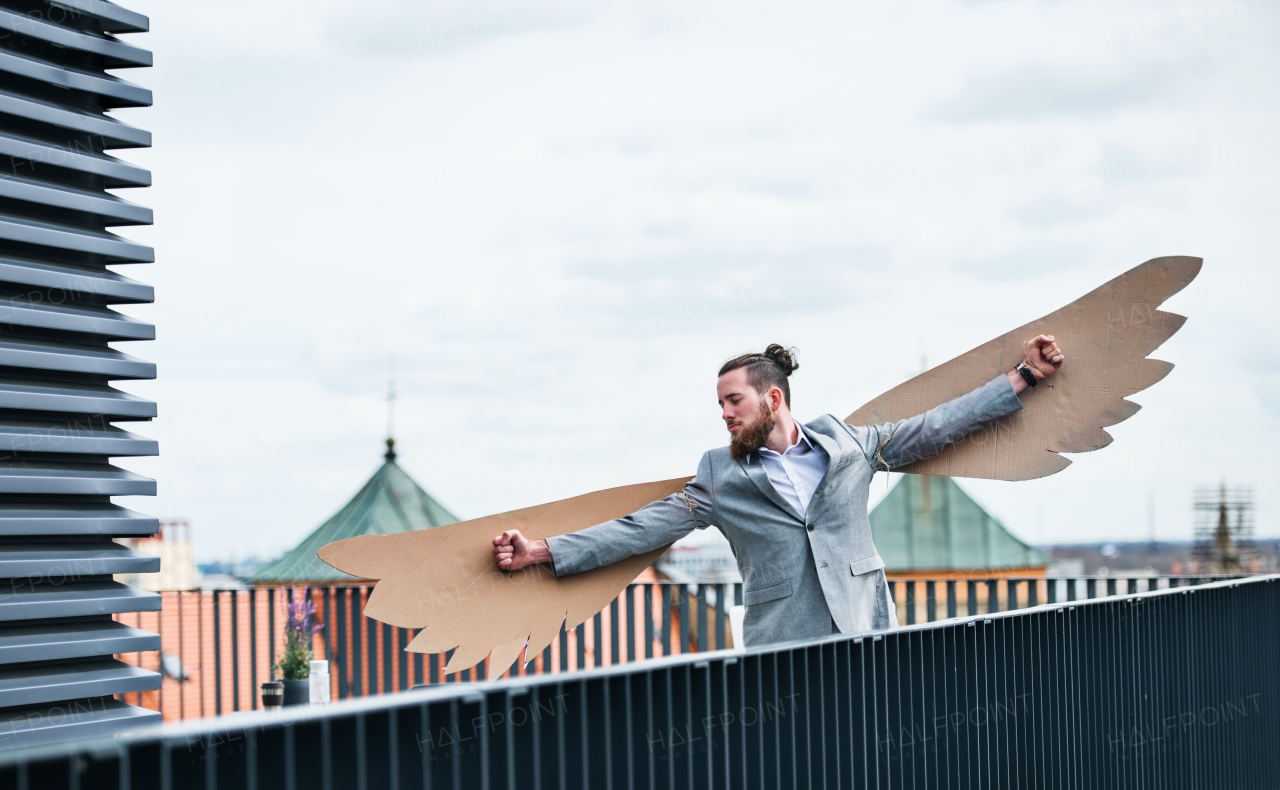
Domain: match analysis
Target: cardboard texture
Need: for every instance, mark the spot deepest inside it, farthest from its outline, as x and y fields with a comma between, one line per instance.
x=1105, y=335
x=445, y=581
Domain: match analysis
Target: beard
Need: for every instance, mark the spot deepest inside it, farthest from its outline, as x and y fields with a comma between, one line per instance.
x=752, y=436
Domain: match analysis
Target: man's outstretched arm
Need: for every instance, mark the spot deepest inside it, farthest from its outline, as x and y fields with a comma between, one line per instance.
x=652, y=526
x=898, y=444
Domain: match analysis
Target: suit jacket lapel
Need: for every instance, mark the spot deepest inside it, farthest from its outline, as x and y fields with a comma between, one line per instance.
x=754, y=468
x=833, y=457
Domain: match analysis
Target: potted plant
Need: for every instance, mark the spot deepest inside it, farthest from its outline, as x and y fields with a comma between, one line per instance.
x=294, y=666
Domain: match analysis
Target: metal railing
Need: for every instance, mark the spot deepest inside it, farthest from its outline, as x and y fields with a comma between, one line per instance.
x=1172, y=688
x=221, y=644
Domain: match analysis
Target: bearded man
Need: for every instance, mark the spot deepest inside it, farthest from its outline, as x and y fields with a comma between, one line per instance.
x=791, y=499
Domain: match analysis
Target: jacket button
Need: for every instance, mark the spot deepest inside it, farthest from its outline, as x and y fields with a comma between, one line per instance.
x=810, y=527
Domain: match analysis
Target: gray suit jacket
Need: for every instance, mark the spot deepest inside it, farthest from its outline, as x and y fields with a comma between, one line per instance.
x=800, y=575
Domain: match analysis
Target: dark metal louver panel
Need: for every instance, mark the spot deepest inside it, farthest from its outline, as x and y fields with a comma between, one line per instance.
x=75, y=638
x=37, y=725
x=32, y=684
x=73, y=518
x=59, y=679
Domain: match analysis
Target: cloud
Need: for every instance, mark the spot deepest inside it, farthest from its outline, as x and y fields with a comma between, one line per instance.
x=1032, y=92
x=405, y=29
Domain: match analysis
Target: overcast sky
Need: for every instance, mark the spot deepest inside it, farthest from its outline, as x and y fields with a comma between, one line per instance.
x=556, y=219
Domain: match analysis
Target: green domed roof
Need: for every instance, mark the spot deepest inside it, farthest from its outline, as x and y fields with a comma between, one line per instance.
x=390, y=502
x=930, y=524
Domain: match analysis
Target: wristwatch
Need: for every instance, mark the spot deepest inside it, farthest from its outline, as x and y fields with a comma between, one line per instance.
x=1025, y=371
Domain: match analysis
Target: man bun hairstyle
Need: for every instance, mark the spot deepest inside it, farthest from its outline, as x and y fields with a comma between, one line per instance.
x=768, y=370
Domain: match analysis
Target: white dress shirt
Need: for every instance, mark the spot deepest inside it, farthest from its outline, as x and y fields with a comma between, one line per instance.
x=796, y=472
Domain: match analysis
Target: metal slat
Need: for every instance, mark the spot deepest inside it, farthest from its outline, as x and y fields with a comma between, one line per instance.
x=59, y=562
x=77, y=638
x=74, y=599
x=50, y=682
x=117, y=53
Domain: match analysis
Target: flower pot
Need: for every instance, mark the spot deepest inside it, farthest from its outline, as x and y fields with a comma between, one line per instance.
x=297, y=692
x=272, y=694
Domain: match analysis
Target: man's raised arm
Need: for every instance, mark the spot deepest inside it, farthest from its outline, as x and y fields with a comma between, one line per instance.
x=897, y=444
x=652, y=526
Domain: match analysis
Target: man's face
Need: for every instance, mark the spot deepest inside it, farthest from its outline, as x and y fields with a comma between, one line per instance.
x=748, y=416
x=739, y=401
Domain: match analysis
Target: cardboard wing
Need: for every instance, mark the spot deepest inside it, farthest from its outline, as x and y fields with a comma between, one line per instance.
x=1105, y=335
x=445, y=581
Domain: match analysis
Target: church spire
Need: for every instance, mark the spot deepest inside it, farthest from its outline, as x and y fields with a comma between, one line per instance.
x=391, y=417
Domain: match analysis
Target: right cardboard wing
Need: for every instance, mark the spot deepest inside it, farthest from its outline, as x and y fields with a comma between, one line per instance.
x=1105, y=335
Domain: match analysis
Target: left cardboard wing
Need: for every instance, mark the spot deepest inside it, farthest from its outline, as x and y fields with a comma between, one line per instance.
x=1105, y=335
x=446, y=582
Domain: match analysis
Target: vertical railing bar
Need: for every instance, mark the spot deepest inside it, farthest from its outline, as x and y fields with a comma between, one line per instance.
x=665, y=593
x=615, y=627
x=393, y=746
x=402, y=645
x=951, y=598
x=217, y=657
x=357, y=644
x=290, y=759
x=720, y=616
x=597, y=640
x=182, y=663
x=388, y=654
x=326, y=752
x=424, y=727
x=370, y=646
x=362, y=748
x=702, y=617
x=581, y=637
x=271, y=630
x=253, y=649
x=235, y=653
x=972, y=594
x=931, y=600
x=340, y=656
x=200, y=647
x=251, y=758
x=648, y=620
x=210, y=761
x=686, y=627
x=418, y=678
x=329, y=636
x=631, y=623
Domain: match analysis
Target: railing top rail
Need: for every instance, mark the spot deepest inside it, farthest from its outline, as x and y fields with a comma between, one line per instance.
x=190, y=732
x=668, y=583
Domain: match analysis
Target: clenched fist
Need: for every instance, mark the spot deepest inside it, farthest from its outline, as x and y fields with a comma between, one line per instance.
x=1043, y=356
x=514, y=551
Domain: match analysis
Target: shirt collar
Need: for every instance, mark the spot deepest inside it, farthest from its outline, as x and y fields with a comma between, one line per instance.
x=803, y=439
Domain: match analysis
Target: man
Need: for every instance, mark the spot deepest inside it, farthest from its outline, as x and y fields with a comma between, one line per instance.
x=790, y=498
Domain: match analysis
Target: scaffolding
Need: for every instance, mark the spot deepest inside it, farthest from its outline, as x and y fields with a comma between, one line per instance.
x=1224, y=528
